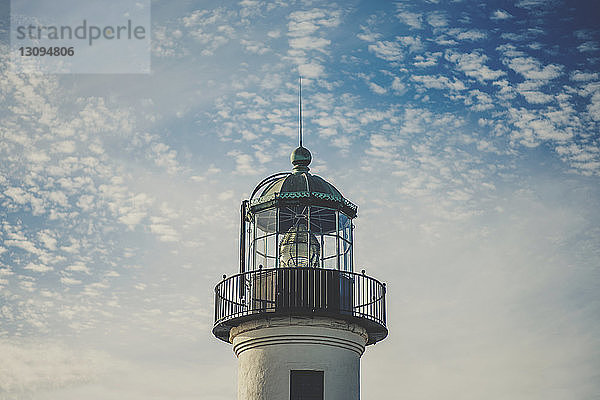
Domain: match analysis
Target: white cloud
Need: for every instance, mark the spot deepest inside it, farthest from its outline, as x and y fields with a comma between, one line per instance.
x=536, y=97
x=254, y=47
x=165, y=233
x=533, y=128
x=443, y=40
x=501, y=15
x=38, y=267
x=67, y=146
x=427, y=60
x=438, y=82
x=244, y=163
x=47, y=238
x=537, y=4
x=397, y=85
x=587, y=47
x=306, y=30
x=367, y=35
x=437, y=19
x=66, y=280
x=471, y=34
x=165, y=157
x=473, y=65
x=389, y=51
x=376, y=88
x=531, y=68
x=309, y=43
x=479, y=101
x=414, y=44
x=509, y=50
x=414, y=20
x=311, y=70
x=593, y=108
x=210, y=28
x=580, y=76
x=78, y=267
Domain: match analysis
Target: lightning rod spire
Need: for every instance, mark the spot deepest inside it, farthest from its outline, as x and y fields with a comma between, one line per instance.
x=300, y=113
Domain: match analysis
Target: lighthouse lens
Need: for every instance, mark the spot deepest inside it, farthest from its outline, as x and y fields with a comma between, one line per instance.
x=299, y=248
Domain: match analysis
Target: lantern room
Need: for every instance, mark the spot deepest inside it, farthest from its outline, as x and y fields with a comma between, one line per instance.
x=297, y=219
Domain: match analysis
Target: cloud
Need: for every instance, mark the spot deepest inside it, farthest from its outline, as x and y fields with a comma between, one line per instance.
x=530, y=68
x=244, y=163
x=414, y=44
x=398, y=86
x=414, y=20
x=311, y=70
x=535, y=127
x=470, y=34
x=66, y=280
x=588, y=47
x=580, y=76
x=166, y=42
x=437, y=19
x=165, y=157
x=537, y=4
x=210, y=28
x=593, y=108
x=376, y=88
x=500, y=15
x=367, y=35
x=536, y=97
x=309, y=43
x=254, y=47
x=38, y=267
x=438, y=82
x=305, y=31
x=78, y=267
x=166, y=233
x=389, y=51
x=427, y=60
x=479, y=101
x=473, y=65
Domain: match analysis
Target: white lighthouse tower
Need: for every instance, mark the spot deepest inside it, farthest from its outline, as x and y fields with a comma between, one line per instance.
x=297, y=314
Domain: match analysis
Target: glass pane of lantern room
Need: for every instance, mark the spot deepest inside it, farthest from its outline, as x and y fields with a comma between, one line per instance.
x=322, y=220
x=259, y=248
x=264, y=247
x=345, y=255
x=345, y=242
x=292, y=216
x=267, y=221
x=329, y=249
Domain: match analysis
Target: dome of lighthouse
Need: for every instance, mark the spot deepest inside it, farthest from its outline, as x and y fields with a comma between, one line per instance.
x=299, y=185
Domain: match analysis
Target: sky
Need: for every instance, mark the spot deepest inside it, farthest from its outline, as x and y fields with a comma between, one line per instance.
x=468, y=133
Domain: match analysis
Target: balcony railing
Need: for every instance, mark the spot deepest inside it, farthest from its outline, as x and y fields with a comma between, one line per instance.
x=350, y=296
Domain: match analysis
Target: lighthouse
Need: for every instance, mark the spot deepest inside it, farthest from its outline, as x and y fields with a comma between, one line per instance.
x=297, y=314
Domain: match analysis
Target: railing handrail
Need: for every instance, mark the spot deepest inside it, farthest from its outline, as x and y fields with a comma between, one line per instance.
x=300, y=268
x=344, y=294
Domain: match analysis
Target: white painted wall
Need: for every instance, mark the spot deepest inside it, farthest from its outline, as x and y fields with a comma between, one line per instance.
x=269, y=348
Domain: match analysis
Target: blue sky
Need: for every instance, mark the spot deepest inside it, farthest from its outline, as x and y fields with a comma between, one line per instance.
x=467, y=133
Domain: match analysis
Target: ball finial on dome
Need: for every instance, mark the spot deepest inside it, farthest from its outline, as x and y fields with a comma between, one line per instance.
x=300, y=158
